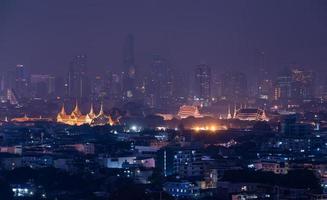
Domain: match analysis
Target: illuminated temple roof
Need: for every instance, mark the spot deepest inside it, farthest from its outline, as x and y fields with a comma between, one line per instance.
x=250, y=114
x=77, y=118
x=188, y=111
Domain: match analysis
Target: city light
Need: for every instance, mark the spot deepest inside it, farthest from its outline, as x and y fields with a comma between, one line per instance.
x=208, y=128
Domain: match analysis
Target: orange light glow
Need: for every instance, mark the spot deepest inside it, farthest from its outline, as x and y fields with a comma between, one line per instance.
x=211, y=128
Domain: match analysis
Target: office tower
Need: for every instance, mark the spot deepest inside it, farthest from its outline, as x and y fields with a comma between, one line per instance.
x=265, y=89
x=294, y=84
x=3, y=83
x=181, y=87
x=42, y=85
x=302, y=84
x=22, y=81
x=324, y=89
x=283, y=88
x=264, y=85
x=159, y=84
x=129, y=71
x=61, y=87
x=184, y=162
x=116, y=86
x=216, y=86
x=98, y=88
x=234, y=86
x=78, y=83
x=202, y=83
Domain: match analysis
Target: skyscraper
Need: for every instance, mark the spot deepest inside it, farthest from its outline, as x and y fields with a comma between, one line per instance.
x=22, y=81
x=294, y=84
x=264, y=85
x=202, y=84
x=129, y=71
x=302, y=84
x=159, y=84
x=283, y=89
x=42, y=85
x=234, y=86
x=78, y=80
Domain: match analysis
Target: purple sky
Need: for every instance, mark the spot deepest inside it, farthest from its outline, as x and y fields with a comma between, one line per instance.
x=45, y=34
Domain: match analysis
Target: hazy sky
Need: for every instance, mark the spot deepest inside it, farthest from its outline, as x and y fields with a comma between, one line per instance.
x=45, y=34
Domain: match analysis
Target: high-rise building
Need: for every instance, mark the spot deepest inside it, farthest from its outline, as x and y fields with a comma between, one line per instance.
x=99, y=90
x=184, y=162
x=159, y=84
x=234, y=86
x=42, y=85
x=264, y=84
x=302, y=84
x=78, y=82
x=283, y=88
x=22, y=81
x=202, y=83
x=129, y=71
x=294, y=84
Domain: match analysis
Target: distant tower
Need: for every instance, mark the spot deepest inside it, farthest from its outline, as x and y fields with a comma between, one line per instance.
x=159, y=84
x=22, y=81
x=203, y=82
x=11, y=97
x=129, y=68
x=235, y=110
x=234, y=86
x=78, y=80
x=229, y=115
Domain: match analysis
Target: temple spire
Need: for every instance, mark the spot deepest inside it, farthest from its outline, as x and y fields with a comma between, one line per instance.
x=264, y=115
x=91, y=110
x=101, y=109
x=63, y=111
x=76, y=112
x=76, y=109
x=235, y=110
x=229, y=115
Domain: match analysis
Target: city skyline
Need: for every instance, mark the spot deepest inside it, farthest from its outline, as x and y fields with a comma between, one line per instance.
x=185, y=33
x=163, y=99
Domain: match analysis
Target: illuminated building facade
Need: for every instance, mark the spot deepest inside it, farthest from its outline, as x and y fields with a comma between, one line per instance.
x=188, y=111
x=294, y=84
x=77, y=118
x=250, y=114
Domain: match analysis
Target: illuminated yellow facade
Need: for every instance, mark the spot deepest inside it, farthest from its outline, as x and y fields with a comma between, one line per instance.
x=250, y=114
x=186, y=111
x=78, y=119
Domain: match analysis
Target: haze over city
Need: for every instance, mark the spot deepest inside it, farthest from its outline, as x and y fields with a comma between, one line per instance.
x=163, y=99
x=44, y=35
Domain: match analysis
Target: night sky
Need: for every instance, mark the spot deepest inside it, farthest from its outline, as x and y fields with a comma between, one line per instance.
x=45, y=34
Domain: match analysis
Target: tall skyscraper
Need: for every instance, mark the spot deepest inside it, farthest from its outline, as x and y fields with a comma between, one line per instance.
x=234, y=86
x=283, y=89
x=302, y=84
x=202, y=84
x=22, y=81
x=294, y=84
x=42, y=85
x=264, y=85
x=129, y=71
x=159, y=84
x=78, y=82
